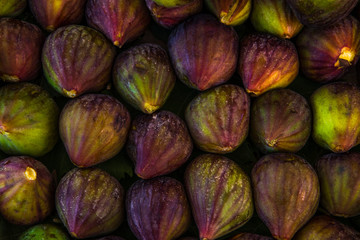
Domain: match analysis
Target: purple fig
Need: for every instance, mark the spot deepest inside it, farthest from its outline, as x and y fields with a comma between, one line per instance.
x=286, y=193
x=26, y=190
x=203, y=51
x=44, y=231
x=218, y=119
x=157, y=209
x=77, y=59
x=250, y=236
x=163, y=133
x=20, y=46
x=93, y=128
x=90, y=202
x=12, y=8
x=220, y=195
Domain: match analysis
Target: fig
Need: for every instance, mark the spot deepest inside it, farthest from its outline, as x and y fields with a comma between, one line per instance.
x=44, y=232
x=336, y=114
x=26, y=190
x=280, y=121
x=275, y=17
x=286, y=193
x=172, y=3
x=144, y=77
x=157, y=209
x=249, y=236
x=218, y=119
x=203, y=51
x=11, y=8
x=28, y=120
x=20, y=46
x=93, y=128
x=230, y=12
x=52, y=14
x=327, y=53
x=266, y=62
x=220, y=195
x=76, y=60
x=89, y=202
x=163, y=133
x=120, y=20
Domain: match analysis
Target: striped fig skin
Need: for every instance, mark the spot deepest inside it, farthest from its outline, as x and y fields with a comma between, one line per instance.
x=203, y=51
x=26, y=190
x=93, y=128
x=120, y=20
x=267, y=62
x=327, y=53
x=172, y=3
x=230, y=12
x=220, y=195
x=336, y=114
x=340, y=183
x=76, y=60
x=12, y=8
x=144, y=77
x=157, y=209
x=250, y=236
x=218, y=119
x=28, y=120
x=286, y=193
x=52, y=14
x=44, y=231
x=280, y=121
x=158, y=144
x=90, y=202
x=20, y=46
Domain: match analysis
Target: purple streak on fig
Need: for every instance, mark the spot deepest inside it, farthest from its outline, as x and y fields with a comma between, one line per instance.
x=12, y=8
x=286, y=193
x=90, y=202
x=203, y=51
x=250, y=236
x=157, y=209
x=26, y=190
x=158, y=144
x=20, y=46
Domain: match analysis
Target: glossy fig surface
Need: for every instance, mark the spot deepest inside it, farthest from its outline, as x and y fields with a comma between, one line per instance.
x=11, y=8
x=250, y=236
x=44, y=231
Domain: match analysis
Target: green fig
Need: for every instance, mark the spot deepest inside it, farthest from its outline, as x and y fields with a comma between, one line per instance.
x=172, y=3
x=44, y=232
x=12, y=8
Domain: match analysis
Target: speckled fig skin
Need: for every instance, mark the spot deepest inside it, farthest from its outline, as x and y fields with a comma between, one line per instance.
x=52, y=14
x=144, y=77
x=327, y=53
x=275, y=17
x=203, y=51
x=90, y=202
x=220, y=195
x=76, y=60
x=218, y=119
x=44, y=231
x=12, y=8
x=20, y=46
x=158, y=144
x=93, y=128
x=340, y=183
x=336, y=114
x=280, y=121
x=120, y=20
x=157, y=209
x=266, y=62
x=250, y=236
x=26, y=190
x=28, y=120
x=286, y=193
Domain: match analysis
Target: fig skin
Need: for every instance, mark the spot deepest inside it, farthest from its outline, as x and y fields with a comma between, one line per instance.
x=26, y=190
x=340, y=183
x=286, y=193
x=218, y=119
x=280, y=121
x=326, y=54
x=90, y=202
x=172, y=3
x=12, y=8
x=44, y=232
x=203, y=51
x=52, y=14
x=336, y=113
x=250, y=236
x=267, y=62
x=28, y=120
x=76, y=60
x=20, y=46
x=157, y=209
x=220, y=195
x=93, y=128
x=144, y=77
x=120, y=20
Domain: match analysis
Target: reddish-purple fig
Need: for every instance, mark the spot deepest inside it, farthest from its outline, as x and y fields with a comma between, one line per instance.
x=250, y=236
x=12, y=8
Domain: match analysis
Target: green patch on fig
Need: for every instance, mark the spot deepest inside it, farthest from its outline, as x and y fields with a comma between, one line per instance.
x=172, y=3
x=12, y=8
x=44, y=232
